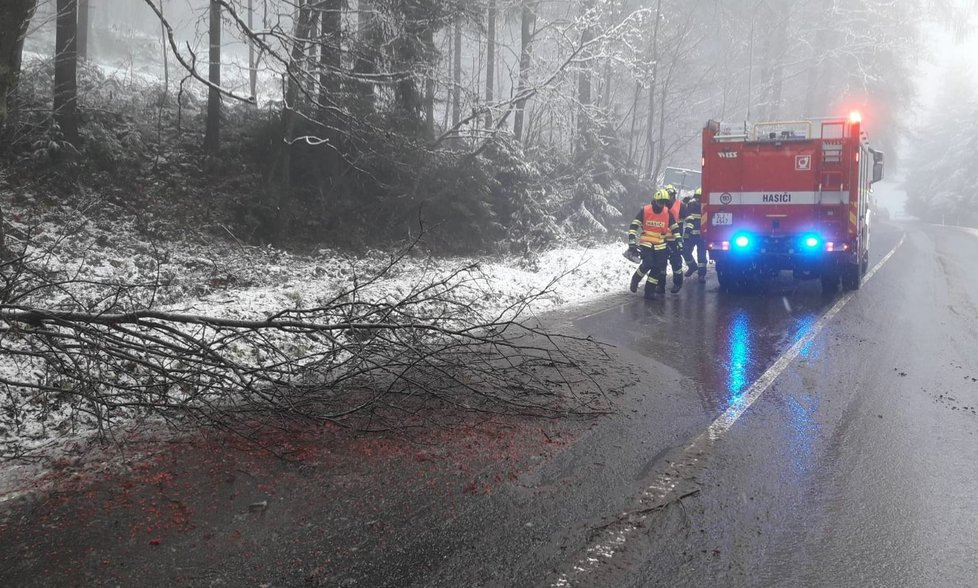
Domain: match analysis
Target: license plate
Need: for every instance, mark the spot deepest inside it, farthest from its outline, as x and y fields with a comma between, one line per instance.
x=722, y=218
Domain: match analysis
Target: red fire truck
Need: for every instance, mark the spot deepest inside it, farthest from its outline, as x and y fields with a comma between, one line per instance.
x=789, y=195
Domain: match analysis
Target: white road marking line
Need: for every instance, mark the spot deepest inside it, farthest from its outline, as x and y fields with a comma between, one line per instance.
x=604, y=310
x=664, y=485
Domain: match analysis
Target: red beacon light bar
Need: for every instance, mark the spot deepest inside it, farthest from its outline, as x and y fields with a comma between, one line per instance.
x=855, y=117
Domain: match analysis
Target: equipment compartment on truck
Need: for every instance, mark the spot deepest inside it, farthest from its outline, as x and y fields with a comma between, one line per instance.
x=789, y=195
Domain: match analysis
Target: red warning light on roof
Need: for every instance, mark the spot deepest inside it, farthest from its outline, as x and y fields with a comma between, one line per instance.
x=855, y=117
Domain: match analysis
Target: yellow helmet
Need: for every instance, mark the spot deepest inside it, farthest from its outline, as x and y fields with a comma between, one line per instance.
x=661, y=195
x=671, y=190
x=698, y=192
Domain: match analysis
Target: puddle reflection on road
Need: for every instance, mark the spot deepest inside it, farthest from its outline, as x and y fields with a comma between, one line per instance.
x=739, y=343
x=722, y=342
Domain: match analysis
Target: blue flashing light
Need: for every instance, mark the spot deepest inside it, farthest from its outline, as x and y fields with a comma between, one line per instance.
x=811, y=242
x=741, y=241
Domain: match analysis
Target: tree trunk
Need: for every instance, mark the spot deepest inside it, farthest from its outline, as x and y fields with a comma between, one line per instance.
x=330, y=65
x=650, y=146
x=490, y=61
x=457, y=73
x=429, y=87
x=83, y=28
x=281, y=176
x=15, y=16
x=657, y=167
x=584, y=88
x=166, y=57
x=212, y=136
x=632, y=143
x=330, y=54
x=526, y=49
x=365, y=64
x=66, y=70
x=252, y=66
x=408, y=97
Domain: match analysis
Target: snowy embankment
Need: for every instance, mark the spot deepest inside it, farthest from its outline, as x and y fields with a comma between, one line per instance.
x=237, y=281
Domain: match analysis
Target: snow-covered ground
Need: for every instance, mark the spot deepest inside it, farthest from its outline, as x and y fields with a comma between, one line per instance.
x=224, y=278
x=92, y=255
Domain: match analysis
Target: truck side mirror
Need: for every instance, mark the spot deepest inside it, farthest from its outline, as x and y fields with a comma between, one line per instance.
x=877, y=166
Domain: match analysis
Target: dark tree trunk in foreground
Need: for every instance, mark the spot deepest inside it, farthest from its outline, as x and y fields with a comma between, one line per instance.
x=65, y=70
x=212, y=136
x=15, y=15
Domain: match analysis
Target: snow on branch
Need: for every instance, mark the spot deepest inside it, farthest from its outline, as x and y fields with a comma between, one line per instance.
x=111, y=357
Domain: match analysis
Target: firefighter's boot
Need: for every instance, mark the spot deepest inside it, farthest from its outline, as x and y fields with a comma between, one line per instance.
x=702, y=273
x=660, y=286
x=677, y=283
x=636, y=278
x=650, y=291
x=692, y=270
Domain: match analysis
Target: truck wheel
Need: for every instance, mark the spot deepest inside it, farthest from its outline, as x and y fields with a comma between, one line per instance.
x=852, y=276
x=830, y=281
x=727, y=278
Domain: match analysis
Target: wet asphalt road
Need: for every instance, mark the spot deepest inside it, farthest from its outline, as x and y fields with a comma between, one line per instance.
x=858, y=466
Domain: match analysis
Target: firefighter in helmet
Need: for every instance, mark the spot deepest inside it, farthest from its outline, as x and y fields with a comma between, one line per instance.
x=650, y=234
x=676, y=247
x=692, y=215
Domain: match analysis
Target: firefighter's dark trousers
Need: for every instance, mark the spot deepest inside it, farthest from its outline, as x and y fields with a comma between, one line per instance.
x=676, y=261
x=653, y=268
x=699, y=262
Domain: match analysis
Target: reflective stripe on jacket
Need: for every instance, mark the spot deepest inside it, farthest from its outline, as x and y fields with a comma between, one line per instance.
x=693, y=217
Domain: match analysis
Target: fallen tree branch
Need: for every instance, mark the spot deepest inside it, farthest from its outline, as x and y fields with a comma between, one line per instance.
x=113, y=357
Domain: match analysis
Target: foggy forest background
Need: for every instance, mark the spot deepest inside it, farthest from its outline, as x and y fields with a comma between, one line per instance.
x=498, y=125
